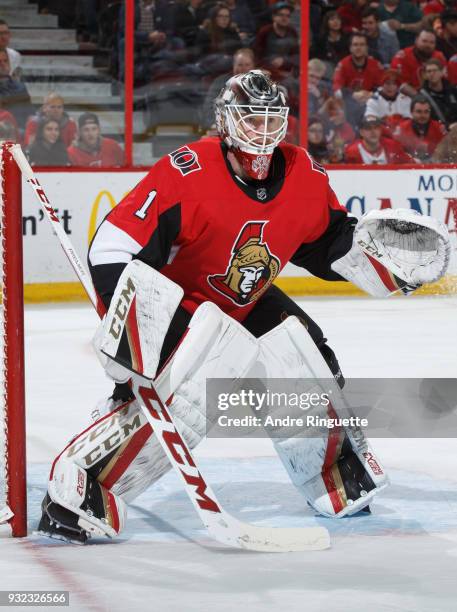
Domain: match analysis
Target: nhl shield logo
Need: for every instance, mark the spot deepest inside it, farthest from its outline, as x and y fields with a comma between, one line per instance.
x=251, y=269
x=262, y=193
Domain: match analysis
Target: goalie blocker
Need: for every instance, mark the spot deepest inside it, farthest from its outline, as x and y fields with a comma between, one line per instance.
x=116, y=458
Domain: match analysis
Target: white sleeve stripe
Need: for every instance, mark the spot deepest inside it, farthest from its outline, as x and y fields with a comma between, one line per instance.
x=112, y=245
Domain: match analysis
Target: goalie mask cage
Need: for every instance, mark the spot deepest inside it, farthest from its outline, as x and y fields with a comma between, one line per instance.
x=13, y=505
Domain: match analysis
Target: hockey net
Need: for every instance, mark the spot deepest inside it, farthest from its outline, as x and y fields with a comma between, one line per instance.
x=12, y=404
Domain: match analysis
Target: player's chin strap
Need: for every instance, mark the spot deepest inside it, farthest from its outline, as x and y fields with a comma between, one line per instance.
x=395, y=250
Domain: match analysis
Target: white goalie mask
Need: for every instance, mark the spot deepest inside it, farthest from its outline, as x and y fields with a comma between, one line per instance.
x=251, y=118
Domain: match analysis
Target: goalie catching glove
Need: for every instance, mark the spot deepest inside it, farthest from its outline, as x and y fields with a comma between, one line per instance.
x=395, y=250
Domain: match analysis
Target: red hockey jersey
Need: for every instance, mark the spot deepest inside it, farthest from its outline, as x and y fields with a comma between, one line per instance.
x=411, y=68
x=108, y=154
x=349, y=76
x=219, y=238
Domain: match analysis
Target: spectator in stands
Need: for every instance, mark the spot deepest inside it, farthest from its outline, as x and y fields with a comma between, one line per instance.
x=243, y=61
x=13, y=94
x=7, y=131
x=446, y=150
x=404, y=17
x=92, y=149
x=241, y=15
x=188, y=17
x=436, y=7
x=440, y=93
x=53, y=108
x=9, y=126
x=447, y=40
x=317, y=141
x=217, y=40
x=152, y=58
x=47, y=148
x=276, y=46
x=356, y=77
x=382, y=41
x=410, y=61
x=420, y=135
x=340, y=132
x=332, y=44
x=388, y=104
x=15, y=58
x=351, y=15
x=372, y=148
x=319, y=89
x=452, y=70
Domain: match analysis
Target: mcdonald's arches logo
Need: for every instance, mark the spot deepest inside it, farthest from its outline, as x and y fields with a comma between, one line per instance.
x=104, y=201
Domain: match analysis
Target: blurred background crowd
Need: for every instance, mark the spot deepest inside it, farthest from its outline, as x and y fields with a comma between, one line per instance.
x=382, y=75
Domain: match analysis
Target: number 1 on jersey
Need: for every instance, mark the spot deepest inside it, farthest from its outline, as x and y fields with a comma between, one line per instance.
x=143, y=211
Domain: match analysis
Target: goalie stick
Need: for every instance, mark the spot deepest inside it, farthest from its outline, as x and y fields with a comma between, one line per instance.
x=221, y=525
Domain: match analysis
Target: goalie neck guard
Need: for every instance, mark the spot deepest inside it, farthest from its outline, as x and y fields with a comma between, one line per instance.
x=251, y=118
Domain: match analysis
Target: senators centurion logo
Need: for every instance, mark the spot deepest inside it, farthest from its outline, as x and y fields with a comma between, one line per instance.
x=252, y=267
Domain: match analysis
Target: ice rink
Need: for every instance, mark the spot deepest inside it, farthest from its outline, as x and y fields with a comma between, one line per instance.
x=401, y=558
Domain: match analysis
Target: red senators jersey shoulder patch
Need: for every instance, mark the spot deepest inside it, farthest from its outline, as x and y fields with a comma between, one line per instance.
x=251, y=269
x=185, y=160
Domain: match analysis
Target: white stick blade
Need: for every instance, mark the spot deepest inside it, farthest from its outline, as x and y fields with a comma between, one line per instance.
x=269, y=539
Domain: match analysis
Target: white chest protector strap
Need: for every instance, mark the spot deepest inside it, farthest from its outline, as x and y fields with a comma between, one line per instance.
x=338, y=474
x=395, y=250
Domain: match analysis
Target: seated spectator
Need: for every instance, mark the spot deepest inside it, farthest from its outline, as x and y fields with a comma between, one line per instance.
x=243, y=61
x=452, y=70
x=447, y=40
x=188, y=17
x=13, y=94
x=351, y=15
x=410, y=61
x=340, y=132
x=53, y=108
x=317, y=141
x=241, y=16
x=382, y=41
x=217, y=40
x=152, y=58
x=318, y=88
x=356, y=77
x=446, y=150
x=332, y=44
x=276, y=46
x=48, y=148
x=7, y=131
x=388, y=104
x=420, y=135
x=403, y=17
x=92, y=149
x=436, y=7
x=14, y=56
x=372, y=148
x=440, y=93
x=9, y=126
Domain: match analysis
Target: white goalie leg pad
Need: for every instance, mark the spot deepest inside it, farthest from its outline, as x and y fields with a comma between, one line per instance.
x=314, y=464
x=132, y=332
x=215, y=346
x=101, y=512
x=395, y=250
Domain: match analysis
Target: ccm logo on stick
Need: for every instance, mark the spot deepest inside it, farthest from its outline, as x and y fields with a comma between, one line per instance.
x=122, y=308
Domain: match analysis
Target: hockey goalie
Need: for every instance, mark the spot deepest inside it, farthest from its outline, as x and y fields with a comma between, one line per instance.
x=184, y=268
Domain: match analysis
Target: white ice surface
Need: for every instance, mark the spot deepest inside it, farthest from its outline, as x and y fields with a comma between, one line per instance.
x=402, y=557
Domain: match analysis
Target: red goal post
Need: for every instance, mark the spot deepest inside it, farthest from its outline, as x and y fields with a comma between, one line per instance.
x=13, y=501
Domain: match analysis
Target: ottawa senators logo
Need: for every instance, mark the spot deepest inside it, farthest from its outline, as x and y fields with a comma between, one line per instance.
x=252, y=268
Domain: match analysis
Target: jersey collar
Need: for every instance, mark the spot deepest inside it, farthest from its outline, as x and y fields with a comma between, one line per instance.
x=261, y=191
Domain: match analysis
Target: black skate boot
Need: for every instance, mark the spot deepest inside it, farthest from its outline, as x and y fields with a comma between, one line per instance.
x=61, y=524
